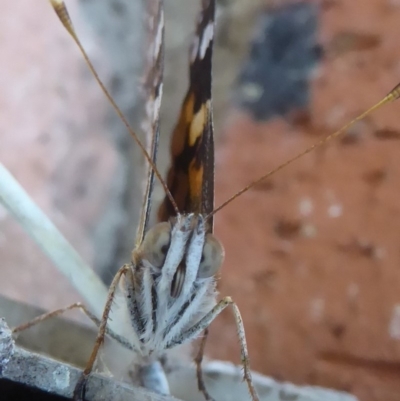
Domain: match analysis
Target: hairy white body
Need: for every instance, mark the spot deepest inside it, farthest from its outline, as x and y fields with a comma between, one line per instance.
x=166, y=304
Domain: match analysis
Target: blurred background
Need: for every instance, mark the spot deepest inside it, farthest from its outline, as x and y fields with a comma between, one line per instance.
x=312, y=254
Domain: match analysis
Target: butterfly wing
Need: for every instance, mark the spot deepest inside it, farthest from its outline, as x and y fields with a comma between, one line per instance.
x=152, y=85
x=191, y=175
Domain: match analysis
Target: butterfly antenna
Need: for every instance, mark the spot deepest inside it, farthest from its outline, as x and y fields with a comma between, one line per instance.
x=62, y=13
x=393, y=95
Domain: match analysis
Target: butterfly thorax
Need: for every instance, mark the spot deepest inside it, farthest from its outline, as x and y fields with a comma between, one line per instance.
x=171, y=283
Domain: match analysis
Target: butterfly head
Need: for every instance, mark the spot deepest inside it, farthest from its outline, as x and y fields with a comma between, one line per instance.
x=183, y=250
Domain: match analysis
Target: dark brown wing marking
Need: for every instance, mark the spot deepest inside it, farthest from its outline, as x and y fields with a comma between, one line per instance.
x=191, y=176
x=153, y=81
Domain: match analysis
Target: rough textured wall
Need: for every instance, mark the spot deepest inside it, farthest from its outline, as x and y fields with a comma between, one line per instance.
x=313, y=253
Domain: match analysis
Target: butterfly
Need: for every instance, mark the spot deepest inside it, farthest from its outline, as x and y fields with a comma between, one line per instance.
x=170, y=282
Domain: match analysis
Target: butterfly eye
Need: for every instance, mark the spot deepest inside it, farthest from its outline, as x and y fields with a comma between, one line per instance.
x=212, y=257
x=156, y=244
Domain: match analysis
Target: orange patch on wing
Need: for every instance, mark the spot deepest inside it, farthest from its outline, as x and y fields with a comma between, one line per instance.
x=195, y=185
x=197, y=124
x=179, y=134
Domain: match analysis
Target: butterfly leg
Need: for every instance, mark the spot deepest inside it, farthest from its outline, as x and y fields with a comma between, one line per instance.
x=199, y=372
x=79, y=391
x=206, y=321
x=244, y=352
x=77, y=305
x=55, y=313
